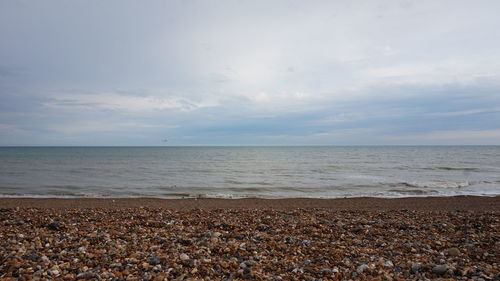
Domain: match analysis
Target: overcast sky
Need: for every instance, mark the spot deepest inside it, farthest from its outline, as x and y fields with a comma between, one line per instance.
x=249, y=72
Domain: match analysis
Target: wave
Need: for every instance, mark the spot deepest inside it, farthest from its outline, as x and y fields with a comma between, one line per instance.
x=465, y=169
x=377, y=189
x=437, y=184
x=236, y=182
x=392, y=194
x=419, y=192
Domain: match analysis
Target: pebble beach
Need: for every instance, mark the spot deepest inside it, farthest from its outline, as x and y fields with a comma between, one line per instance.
x=453, y=238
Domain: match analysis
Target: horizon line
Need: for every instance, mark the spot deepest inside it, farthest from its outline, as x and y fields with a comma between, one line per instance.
x=258, y=145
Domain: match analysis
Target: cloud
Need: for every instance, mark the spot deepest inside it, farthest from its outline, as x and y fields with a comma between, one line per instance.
x=464, y=71
x=351, y=136
x=273, y=72
x=101, y=127
x=11, y=130
x=120, y=102
x=465, y=112
x=485, y=137
x=6, y=71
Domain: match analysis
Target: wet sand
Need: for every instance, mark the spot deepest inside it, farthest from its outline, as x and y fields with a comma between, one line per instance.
x=466, y=203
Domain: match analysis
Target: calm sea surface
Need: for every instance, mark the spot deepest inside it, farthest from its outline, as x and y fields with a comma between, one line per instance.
x=236, y=172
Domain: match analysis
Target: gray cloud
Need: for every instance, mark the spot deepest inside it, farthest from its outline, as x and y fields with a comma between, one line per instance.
x=7, y=71
x=212, y=72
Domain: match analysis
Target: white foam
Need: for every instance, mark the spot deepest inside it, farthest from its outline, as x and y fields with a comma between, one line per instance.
x=438, y=184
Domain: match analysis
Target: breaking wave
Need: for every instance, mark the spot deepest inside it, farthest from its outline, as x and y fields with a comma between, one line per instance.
x=437, y=184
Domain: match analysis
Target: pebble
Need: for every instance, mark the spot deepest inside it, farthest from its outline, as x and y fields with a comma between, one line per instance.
x=388, y=264
x=54, y=225
x=361, y=268
x=154, y=260
x=415, y=267
x=184, y=257
x=326, y=271
x=221, y=244
x=453, y=252
x=440, y=269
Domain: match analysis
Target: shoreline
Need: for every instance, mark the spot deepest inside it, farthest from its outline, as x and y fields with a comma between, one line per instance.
x=456, y=203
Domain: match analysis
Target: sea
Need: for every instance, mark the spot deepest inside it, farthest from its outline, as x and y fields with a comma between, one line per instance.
x=249, y=172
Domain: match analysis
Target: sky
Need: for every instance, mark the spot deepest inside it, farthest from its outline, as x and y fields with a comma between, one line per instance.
x=249, y=72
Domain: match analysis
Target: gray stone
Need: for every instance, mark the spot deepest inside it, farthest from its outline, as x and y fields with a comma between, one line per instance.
x=184, y=257
x=453, y=252
x=361, y=268
x=440, y=269
x=154, y=261
x=247, y=271
x=54, y=225
x=157, y=268
x=388, y=264
x=326, y=271
x=249, y=263
x=415, y=267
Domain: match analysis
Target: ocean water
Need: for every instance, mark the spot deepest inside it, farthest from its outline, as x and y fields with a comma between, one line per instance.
x=239, y=172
